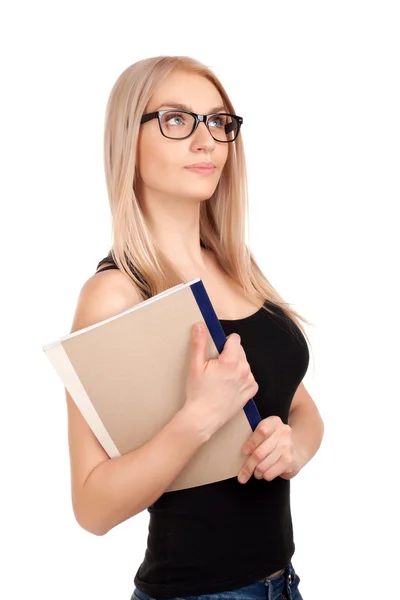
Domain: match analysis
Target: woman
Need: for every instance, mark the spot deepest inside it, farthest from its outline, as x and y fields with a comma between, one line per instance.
x=173, y=222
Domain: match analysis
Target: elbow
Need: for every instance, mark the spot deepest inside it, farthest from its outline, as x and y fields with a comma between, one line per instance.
x=88, y=524
x=322, y=427
x=98, y=532
x=91, y=527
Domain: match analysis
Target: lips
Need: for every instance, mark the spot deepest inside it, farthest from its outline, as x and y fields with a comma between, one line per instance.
x=202, y=165
x=202, y=170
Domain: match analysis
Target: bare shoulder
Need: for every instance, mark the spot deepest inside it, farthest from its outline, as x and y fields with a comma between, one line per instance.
x=104, y=295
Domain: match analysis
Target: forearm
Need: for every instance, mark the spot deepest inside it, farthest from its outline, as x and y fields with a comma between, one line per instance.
x=307, y=432
x=122, y=487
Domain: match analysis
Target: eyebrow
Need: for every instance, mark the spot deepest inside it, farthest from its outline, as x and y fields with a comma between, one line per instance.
x=185, y=107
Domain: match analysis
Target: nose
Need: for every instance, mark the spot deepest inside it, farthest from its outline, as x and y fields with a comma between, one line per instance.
x=202, y=137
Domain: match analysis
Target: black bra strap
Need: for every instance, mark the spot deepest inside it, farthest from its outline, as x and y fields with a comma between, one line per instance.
x=114, y=266
x=106, y=268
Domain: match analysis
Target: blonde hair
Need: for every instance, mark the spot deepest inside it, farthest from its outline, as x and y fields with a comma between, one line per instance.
x=222, y=217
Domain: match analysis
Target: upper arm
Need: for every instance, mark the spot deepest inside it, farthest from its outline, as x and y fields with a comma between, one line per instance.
x=301, y=398
x=102, y=296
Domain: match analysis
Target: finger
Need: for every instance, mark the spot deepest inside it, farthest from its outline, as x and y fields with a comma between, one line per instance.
x=276, y=470
x=264, y=429
x=267, y=463
x=235, y=344
x=257, y=457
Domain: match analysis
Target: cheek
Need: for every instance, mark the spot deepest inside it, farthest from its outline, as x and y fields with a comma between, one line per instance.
x=221, y=156
x=154, y=162
x=225, y=152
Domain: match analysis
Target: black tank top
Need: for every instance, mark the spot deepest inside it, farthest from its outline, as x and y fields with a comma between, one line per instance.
x=226, y=535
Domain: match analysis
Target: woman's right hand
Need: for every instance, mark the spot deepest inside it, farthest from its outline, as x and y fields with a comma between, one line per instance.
x=217, y=389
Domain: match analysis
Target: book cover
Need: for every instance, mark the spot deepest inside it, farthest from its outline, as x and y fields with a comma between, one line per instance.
x=127, y=375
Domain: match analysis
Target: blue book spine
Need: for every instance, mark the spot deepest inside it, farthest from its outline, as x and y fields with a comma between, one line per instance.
x=218, y=335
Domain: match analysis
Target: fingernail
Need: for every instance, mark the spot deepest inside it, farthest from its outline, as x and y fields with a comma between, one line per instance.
x=242, y=478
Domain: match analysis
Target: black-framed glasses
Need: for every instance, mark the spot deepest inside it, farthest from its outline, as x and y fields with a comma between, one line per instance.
x=180, y=124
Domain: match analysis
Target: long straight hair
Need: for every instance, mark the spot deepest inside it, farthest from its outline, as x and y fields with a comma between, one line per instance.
x=223, y=216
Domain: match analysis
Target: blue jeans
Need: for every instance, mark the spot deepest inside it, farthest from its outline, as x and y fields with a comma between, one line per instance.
x=279, y=587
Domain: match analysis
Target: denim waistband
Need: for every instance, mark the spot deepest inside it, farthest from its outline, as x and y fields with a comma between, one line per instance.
x=283, y=580
x=277, y=586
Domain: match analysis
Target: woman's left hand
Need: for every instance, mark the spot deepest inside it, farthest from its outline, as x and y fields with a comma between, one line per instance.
x=271, y=452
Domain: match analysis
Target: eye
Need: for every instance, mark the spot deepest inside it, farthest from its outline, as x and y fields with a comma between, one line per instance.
x=174, y=119
x=220, y=121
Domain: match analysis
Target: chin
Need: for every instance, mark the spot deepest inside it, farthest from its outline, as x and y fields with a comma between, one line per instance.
x=202, y=192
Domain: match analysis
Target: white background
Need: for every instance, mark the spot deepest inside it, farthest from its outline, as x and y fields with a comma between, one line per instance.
x=317, y=84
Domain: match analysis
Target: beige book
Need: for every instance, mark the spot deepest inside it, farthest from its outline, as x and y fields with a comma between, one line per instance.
x=127, y=375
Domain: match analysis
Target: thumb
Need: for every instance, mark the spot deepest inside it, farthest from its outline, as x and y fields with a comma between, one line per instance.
x=199, y=339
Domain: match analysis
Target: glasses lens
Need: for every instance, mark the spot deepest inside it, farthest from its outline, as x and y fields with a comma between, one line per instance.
x=223, y=128
x=177, y=125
